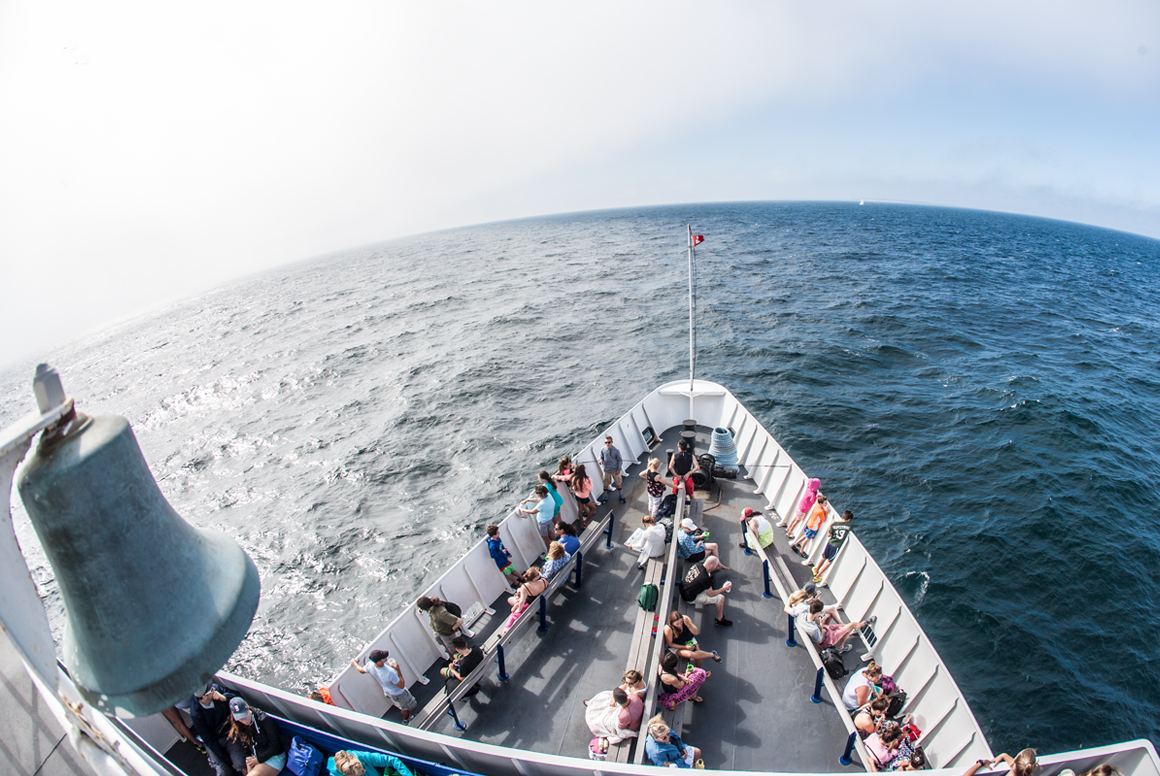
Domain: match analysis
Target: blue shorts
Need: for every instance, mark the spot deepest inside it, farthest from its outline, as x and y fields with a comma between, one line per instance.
x=829, y=552
x=811, y=533
x=277, y=762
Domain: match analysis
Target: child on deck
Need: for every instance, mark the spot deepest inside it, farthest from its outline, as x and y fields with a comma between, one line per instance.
x=813, y=525
x=501, y=556
x=839, y=530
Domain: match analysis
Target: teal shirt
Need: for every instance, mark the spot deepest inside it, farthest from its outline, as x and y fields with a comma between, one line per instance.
x=556, y=497
x=374, y=763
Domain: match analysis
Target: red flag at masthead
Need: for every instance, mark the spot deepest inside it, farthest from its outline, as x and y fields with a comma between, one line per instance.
x=698, y=239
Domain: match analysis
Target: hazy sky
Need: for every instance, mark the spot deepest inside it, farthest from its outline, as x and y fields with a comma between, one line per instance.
x=151, y=150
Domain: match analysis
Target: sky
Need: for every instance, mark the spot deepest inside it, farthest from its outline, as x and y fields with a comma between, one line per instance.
x=150, y=151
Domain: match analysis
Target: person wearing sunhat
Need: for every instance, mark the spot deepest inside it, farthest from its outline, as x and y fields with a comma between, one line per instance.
x=258, y=735
x=211, y=719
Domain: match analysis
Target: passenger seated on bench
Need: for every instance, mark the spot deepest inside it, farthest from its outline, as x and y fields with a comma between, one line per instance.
x=862, y=687
x=566, y=535
x=679, y=686
x=445, y=624
x=525, y=595
x=466, y=659
x=885, y=747
x=256, y=733
x=681, y=638
x=697, y=588
x=665, y=748
x=870, y=716
x=691, y=544
x=634, y=683
x=351, y=762
x=614, y=714
x=833, y=633
x=649, y=540
x=557, y=559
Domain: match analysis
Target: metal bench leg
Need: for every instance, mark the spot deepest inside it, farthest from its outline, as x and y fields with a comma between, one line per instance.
x=579, y=569
x=608, y=531
x=789, y=640
x=451, y=712
x=817, y=696
x=765, y=573
x=543, y=615
x=503, y=675
x=845, y=758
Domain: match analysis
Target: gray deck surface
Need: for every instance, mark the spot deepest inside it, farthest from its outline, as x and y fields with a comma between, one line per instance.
x=757, y=713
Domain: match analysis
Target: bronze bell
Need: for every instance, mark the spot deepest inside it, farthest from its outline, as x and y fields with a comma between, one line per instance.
x=154, y=607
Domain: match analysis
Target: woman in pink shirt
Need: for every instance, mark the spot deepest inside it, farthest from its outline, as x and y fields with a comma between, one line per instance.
x=581, y=485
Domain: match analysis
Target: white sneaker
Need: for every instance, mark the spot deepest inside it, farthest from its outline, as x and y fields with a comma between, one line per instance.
x=807, y=562
x=866, y=657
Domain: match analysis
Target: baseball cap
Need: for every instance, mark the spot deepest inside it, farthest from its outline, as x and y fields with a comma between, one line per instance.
x=747, y=512
x=810, y=588
x=239, y=708
x=377, y=655
x=688, y=525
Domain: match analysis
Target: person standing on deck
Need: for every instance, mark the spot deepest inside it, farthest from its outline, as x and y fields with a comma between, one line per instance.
x=543, y=510
x=682, y=467
x=557, y=499
x=386, y=672
x=839, y=530
x=610, y=464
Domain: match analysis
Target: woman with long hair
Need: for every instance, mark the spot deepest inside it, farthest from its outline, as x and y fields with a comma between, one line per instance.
x=527, y=592
x=655, y=484
x=678, y=687
x=681, y=639
x=581, y=486
x=257, y=734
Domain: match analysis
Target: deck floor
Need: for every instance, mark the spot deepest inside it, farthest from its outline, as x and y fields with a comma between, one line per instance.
x=757, y=713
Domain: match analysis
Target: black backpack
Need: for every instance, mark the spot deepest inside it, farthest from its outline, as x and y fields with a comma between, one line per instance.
x=897, y=701
x=833, y=664
x=668, y=506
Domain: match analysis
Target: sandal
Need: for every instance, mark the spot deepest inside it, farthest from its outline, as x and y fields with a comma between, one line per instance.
x=698, y=699
x=716, y=656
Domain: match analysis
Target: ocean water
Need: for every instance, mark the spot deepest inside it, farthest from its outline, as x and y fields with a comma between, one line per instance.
x=980, y=389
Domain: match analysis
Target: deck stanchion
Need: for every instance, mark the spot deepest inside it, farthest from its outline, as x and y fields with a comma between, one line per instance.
x=789, y=640
x=503, y=675
x=543, y=615
x=765, y=573
x=845, y=758
x=745, y=537
x=817, y=696
x=451, y=713
x=608, y=531
x=579, y=568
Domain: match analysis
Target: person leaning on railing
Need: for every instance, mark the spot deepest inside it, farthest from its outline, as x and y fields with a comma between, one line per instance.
x=1022, y=764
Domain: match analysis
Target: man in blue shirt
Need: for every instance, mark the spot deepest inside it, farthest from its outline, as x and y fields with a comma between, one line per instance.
x=610, y=464
x=691, y=544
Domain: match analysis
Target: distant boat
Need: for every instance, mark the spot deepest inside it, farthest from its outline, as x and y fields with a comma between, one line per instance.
x=861, y=202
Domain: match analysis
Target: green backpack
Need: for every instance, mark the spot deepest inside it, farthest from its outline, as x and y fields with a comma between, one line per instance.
x=647, y=599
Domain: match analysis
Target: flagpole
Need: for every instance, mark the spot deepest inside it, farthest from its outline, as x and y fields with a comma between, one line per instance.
x=690, y=235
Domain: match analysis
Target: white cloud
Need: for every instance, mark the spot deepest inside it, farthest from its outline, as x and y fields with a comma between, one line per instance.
x=148, y=151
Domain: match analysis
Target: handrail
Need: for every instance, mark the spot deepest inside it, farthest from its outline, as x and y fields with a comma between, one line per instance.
x=664, y=605
x=835, y=693
x=445, y=701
